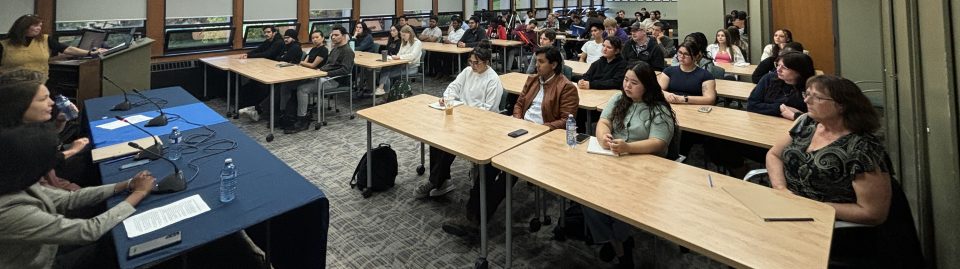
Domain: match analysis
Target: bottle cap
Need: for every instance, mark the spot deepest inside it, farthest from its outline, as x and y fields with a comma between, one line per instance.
x=175, y=128
x=228, y=160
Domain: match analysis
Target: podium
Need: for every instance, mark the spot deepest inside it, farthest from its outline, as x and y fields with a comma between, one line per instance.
x=82, y=79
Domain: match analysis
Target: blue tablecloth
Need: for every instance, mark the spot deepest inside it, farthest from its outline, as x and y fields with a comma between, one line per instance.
x=271, y=196
x=197, y=113
x=97, y=108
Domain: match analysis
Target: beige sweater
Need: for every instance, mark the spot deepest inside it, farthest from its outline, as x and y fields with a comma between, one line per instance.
x=32, y=226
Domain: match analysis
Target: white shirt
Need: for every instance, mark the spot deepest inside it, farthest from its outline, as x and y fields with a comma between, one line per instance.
x=535, y=112
x=481, y=90
x=593, y=50
x=455, y=36
x=432, y=32
x=713, y=49
x=411, y=52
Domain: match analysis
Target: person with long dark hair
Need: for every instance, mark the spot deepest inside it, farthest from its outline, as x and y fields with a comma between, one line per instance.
x=638, y=120
x=607, y=72
x=769, y=64
x=271, y=48
x=781, y=37
x=363, y=38
x=32, y=215
x=26, y=47
x=780, y=94
x=723, y=50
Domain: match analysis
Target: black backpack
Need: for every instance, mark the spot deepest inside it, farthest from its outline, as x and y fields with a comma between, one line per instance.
x=384, y=170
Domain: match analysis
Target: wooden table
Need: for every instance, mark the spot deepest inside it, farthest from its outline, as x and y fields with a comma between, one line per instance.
x=733, y=125
x=374, y=62
x=734, y=89
x=736, y=70
x=578, y=67
x=470, y=133
x=264, y=71
x=504, y=44
x=673, y=201
x=447, y=48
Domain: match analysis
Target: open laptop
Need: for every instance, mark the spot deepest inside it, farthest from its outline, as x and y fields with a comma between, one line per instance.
x=128, y=40
x=91, y=38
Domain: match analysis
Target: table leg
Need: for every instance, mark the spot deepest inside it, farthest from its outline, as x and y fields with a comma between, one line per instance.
x=229, y=105
x=367, y=192
x=503, y=59
x=204, y=82
x=482, y=261
x=459, y=64
x=586, y=128
x=322, y=117
x=236, y=97
x=509, y=220
x=373, y=93
x=272, y=112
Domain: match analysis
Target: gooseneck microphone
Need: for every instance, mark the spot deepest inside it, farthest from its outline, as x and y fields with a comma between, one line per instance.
x=122, y=106
x=156, y=148
x=160, y=120
x=170, y=183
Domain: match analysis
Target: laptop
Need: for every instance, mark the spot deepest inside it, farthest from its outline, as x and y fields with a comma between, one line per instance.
x=91, y=38
x=128, y=40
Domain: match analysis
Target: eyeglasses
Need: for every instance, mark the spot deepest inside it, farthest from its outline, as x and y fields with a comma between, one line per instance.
x=686, y=54
x=473, y=62
x=815, y=97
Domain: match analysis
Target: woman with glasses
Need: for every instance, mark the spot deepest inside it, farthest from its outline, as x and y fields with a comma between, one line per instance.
x=688, y=84
x=831, y=154
x=27, y=48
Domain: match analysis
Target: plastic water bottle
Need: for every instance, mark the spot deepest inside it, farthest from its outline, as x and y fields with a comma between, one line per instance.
x=174, y=138
x=571, y=131
x=228, y=181
x=64, y=105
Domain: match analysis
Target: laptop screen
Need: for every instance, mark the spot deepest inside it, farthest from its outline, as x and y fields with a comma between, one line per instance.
x=92, y=39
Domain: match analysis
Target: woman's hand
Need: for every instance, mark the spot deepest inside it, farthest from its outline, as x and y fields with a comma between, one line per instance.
x=788, y=112
x=618, y=146
x=605, y=141
x=673, y=98
x=143, y=181
x=583, y=84
x=76, y=147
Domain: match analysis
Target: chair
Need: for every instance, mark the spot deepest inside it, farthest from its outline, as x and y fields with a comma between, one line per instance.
x=893, y=244
x=875, y=95
x=348, y=89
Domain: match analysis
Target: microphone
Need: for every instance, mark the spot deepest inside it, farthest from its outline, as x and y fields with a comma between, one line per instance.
x=122, y=106
x=170, y=183
x=160, y=120
x=156, y=148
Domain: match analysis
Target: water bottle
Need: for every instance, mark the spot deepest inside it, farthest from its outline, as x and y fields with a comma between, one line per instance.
x=228, y=181
x=65, y=107
x=571, y=131
x=173, y=150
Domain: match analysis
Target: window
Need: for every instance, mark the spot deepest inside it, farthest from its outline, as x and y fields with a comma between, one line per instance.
x=418, y=20
x=253, y=32
x=443, y=19
x=378, y=24
x=558, y=4
x=196, y=39
x=522, y=6
x=479, y=5
x=542, y=13
x=324, y=9
x=13, y=10
x=376, y=9
x=75, y=15
x=327, y=25
x=198, y=26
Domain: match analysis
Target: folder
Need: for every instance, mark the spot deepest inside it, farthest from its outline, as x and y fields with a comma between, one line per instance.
x=120, y=149
x=768, y=205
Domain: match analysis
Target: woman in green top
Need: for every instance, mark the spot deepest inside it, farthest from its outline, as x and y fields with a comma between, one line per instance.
x=641, y=123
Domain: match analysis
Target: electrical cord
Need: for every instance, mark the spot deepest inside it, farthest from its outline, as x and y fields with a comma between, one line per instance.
x=202, y=142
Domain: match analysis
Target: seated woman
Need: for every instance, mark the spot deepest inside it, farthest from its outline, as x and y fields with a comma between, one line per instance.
x=410, y=50
x=31, y=215
x=688, y=84
x=769, y=64
x=363, y=37
x=723, y=51
x=780, y=38
x=593, y=48
x=831, y=154
x=25, y=99
x=638, y=120
x=606, y=73
x=393, y=41
x=780, y=94
x=547, y=98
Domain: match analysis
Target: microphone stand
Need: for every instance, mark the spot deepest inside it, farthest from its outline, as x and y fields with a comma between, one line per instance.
x=160, y=120
x=122, y=106
x=170, y=183
x=155, y=150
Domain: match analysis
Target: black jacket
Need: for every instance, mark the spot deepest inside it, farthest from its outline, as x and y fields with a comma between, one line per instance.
x=604, y=75
x=652, y=54
x=291, y=53
x=270, y=49
x=472, y=37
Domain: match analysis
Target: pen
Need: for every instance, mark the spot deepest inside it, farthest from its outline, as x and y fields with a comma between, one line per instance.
x=710, y=180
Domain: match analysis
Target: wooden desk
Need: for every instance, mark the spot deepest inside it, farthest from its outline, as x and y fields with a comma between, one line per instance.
x=470, y=133
x=673, y=201
x=267, y=72
x=736, y=70
x=447, y=48
x=578, y=67
x=504, y=44
x=374, y=62
x=225, y=63
x=733, y=125
x=734, y=89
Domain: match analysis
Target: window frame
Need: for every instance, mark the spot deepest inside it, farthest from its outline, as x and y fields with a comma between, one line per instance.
x=386, y=29
x=313, y=24
x=441, y=15
x=110, y=31
x=167, y=51
x=276, y=23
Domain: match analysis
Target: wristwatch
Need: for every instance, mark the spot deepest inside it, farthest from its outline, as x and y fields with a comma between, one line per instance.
x=686, y=99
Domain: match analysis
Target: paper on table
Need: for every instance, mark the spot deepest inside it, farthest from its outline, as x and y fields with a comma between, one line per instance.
x=117, y=124
x=768, y=205
x=595, y=148
x=454, y=103
x=154, y=219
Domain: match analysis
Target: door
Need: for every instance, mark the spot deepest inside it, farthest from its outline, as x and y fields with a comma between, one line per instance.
x=812, y=24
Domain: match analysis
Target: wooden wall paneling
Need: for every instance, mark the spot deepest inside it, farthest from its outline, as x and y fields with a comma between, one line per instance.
x=812, y=24
x=238, y=24
x=356, y=11
x=155, y=25
x=436, y=7
x=398, y=8
x=303, y=18
x=46, y=9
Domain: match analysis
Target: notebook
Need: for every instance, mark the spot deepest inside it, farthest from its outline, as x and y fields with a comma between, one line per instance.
x=768, y=205
x=120, y=149
x=594, y=147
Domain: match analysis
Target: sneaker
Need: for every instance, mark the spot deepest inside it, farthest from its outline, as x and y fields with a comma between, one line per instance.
x=445, y=188
x=425, y=190
x=250, y=112
x=462, y=228
x=379, y=92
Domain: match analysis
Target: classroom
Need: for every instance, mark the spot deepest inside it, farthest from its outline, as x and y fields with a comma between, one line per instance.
x=479, y=134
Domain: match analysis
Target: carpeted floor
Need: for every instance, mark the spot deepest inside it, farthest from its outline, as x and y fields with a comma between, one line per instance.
x=394, y=230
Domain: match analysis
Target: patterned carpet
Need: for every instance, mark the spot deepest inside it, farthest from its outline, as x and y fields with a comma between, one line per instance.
x=394, y=230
